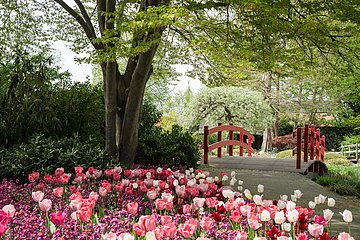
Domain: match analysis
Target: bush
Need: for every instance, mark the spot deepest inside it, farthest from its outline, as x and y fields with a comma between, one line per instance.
x=344, y=180
x=284, y=142
x=338, y=162
x=174, y=148
x=46, y=154
x=351, y=139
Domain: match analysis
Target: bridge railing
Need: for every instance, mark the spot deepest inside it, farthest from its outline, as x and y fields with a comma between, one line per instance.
x=309, y=140
x=231, y=142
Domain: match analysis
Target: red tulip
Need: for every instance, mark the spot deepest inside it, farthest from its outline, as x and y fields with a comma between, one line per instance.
x=57, y=217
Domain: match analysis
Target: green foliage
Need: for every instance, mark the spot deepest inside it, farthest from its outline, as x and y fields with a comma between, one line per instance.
x=334, y=135
x=46, y=154
x=35, y=97
x=351, y=139
x=336, y=159
x=239, y=106
x=174, y=148
x=344, y=180
x=149, y=116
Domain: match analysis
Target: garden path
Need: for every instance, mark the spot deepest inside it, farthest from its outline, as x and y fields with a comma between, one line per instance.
x=278, y=183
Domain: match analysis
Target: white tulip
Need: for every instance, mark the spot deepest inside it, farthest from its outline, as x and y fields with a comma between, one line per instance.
x=312, y=205
x=280, y=217
x=286, y=227
x=292, y=216
x=260, y=188
x=257, y=200
x=331, y=202
x=233, y=173
x=281, y=204
x=240, y=182
x=347, y=216
x=290, y=205
x=265, y=216
x=298, y=193
x=284, y=197
x=328, y=214
x=293, y=198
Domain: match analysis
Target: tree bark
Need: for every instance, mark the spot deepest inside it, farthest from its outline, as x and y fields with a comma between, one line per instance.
x=110, y=107
x=129, y=135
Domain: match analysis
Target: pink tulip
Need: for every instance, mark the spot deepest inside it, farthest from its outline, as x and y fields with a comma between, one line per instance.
x=186, y=208
x=59, y=172
x=58, y=192
x=198, y=202
x=57, y=217
x=94, y=195
x=64, y=179
x=302, y=236
x=102, y=191
x=242, y=236
x=84, y=214
x=4, y=217
x=188, y=228
x=316, y=229
x=132, y=207
x=147, y=223
x=78, y=170
x=3, y=229
x=9, y=209
x=160, y=204
x=167, y=197
x=152, y=194
x=37, y=196
x=166, y=219
x=342, y=236
x=109, y=236
x=75, y=204
x=253, y=221
x=159, y=232
x=181, y=191
x=138, y=230
x=206, y=223
x=45, y=205
x=34, y=176
x=170, y=230
x=235, y=216
x=211, y=202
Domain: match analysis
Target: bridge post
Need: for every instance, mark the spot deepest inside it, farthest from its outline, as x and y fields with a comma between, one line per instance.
x=249, y=144
x=231, y=137
x=241, y=139
x=298, y=148
x=312, y=141
x=317, y=136
x=206, y=146
x=306, y=142
x=322, y=156
x=219, y=140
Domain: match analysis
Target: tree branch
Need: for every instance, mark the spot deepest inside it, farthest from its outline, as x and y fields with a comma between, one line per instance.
x=85, y=16
x=90, y=35
x=101, y=7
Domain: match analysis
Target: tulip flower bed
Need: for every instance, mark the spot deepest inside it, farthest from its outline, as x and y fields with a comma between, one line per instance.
x=152, y=204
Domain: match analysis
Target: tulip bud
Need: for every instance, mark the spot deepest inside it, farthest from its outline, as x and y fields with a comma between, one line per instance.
x=260, y=188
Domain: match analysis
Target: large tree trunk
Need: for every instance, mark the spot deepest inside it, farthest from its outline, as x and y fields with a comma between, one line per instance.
x=129, y=135
x=267, y=140
x=110, y=107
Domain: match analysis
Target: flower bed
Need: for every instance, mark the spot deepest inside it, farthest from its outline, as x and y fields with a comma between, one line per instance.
x=153, y=204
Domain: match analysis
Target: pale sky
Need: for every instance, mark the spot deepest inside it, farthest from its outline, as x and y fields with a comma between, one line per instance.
x=82, y=72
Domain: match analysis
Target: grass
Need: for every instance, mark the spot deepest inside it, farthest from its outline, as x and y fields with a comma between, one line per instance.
x=344, y=180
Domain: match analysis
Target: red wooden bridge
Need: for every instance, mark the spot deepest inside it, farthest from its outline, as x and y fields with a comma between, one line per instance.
x=308, y=141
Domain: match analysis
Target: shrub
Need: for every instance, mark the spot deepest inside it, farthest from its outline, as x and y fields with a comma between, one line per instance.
x=351, y=139
x=174, y=148
x=284, y=142
x=344, y=180
x=46, y=154
x=338, y=162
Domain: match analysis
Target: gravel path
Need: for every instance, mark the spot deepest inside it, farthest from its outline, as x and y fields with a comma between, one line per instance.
x=280, y=183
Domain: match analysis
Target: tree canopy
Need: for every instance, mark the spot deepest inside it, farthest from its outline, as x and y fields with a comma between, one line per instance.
x=238, y=106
